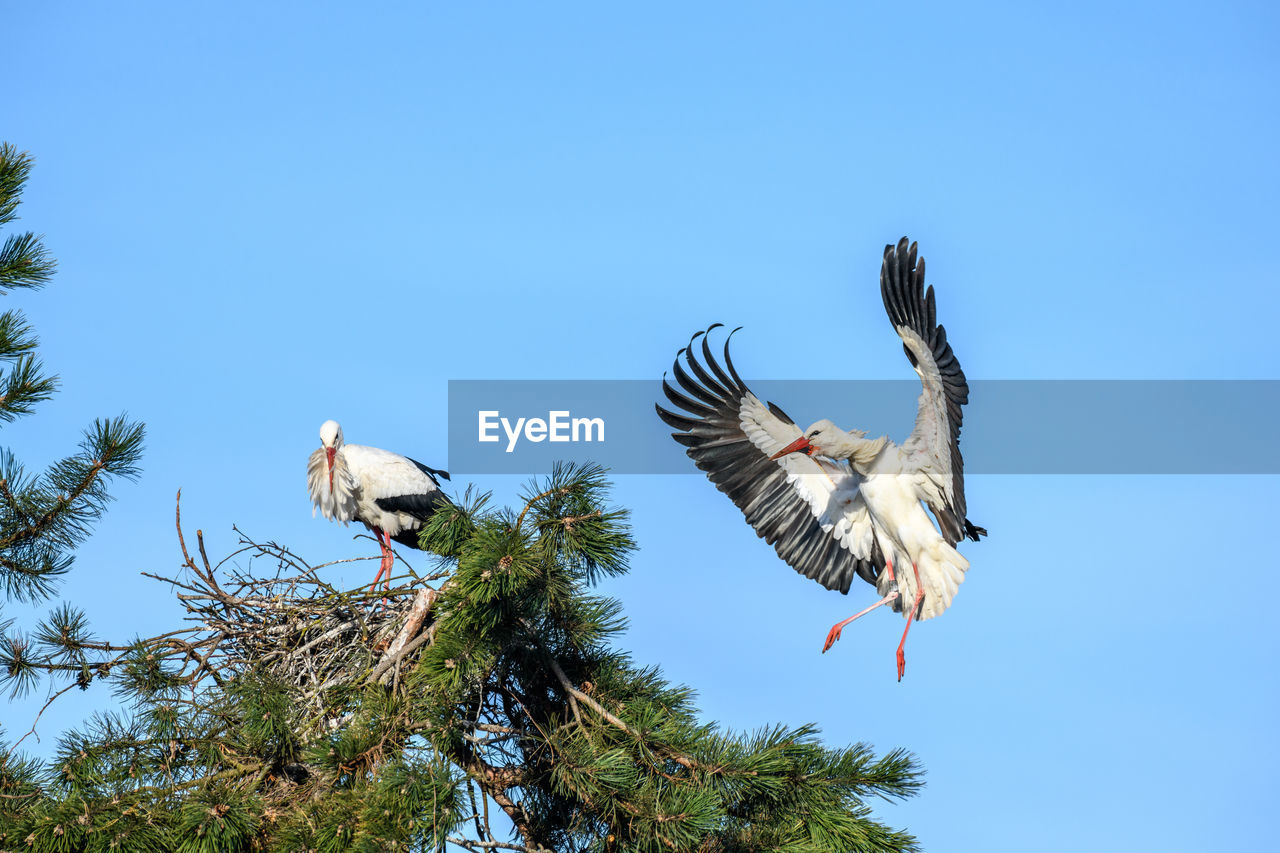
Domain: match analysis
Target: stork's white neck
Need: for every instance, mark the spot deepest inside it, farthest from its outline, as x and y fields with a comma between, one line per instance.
x=861, y=452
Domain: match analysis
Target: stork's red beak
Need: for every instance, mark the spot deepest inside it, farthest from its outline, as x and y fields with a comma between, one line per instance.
x=800, y=445
x=329, y=453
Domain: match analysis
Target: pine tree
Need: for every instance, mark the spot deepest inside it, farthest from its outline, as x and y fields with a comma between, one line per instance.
x=44, y=517
x=296, y=716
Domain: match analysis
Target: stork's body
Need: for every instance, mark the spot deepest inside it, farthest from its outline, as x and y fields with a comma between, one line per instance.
x=907, y=536
x=834, y=504
x=890, y=487
x=390, y=494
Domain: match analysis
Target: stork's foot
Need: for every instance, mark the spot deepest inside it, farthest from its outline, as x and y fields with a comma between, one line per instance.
x=834, y=633
x=914, y=612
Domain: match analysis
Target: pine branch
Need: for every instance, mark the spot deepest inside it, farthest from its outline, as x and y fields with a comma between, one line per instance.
x=15, y=167
x=491, y=845
x=24, y=263
x=23, y=386
x=23, y=260
x=16, y=337
x=45, y=518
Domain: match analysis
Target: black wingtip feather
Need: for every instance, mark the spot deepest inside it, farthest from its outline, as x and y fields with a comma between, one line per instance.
x=688, y=404
x=686, y=439
x=675, y=421
x=686, y=382
x=728, y=362
x=779, y=414
x=701, y=372
x=429, y=471
x=711, y=361
x=421, y=507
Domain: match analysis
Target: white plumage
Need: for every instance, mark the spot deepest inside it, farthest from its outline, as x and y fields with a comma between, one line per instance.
x=834, y=504
x=865, y=495
x=390, y=494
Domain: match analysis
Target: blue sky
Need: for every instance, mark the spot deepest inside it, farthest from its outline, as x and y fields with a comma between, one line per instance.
x=267, y=215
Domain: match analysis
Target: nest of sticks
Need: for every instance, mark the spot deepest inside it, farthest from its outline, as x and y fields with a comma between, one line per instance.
x=264, y=608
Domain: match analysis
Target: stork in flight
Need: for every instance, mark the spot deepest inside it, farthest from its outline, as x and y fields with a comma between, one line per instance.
x=833, y=503
x=390, y=494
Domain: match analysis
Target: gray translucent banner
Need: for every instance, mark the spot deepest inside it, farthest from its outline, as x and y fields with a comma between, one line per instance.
x=1010, y=427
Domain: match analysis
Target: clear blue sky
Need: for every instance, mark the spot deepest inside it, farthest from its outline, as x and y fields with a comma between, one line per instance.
x=267, y=215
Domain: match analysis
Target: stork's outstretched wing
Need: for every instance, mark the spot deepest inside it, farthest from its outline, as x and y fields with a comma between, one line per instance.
x=933, y=449
x=810, y=511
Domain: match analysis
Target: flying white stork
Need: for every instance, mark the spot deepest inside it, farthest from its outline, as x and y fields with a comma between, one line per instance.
x=391, y=494
x=833, y=503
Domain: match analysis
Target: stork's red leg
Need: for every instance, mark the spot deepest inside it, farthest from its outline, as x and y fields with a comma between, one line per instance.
x=388, y=559
x=915, y=608
x=834, y=633
x=381, y=568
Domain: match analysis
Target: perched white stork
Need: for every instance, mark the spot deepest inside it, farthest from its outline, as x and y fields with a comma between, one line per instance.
x=833, y=503
x=391, y=494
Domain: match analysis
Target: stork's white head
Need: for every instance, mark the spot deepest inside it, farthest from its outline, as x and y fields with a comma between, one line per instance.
x=331, y=434
x=824, y=438
x=331, y=439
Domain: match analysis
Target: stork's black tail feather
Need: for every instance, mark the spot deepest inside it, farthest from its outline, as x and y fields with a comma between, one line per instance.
x=421, y=507
x=408, y=538
x=973, y=531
